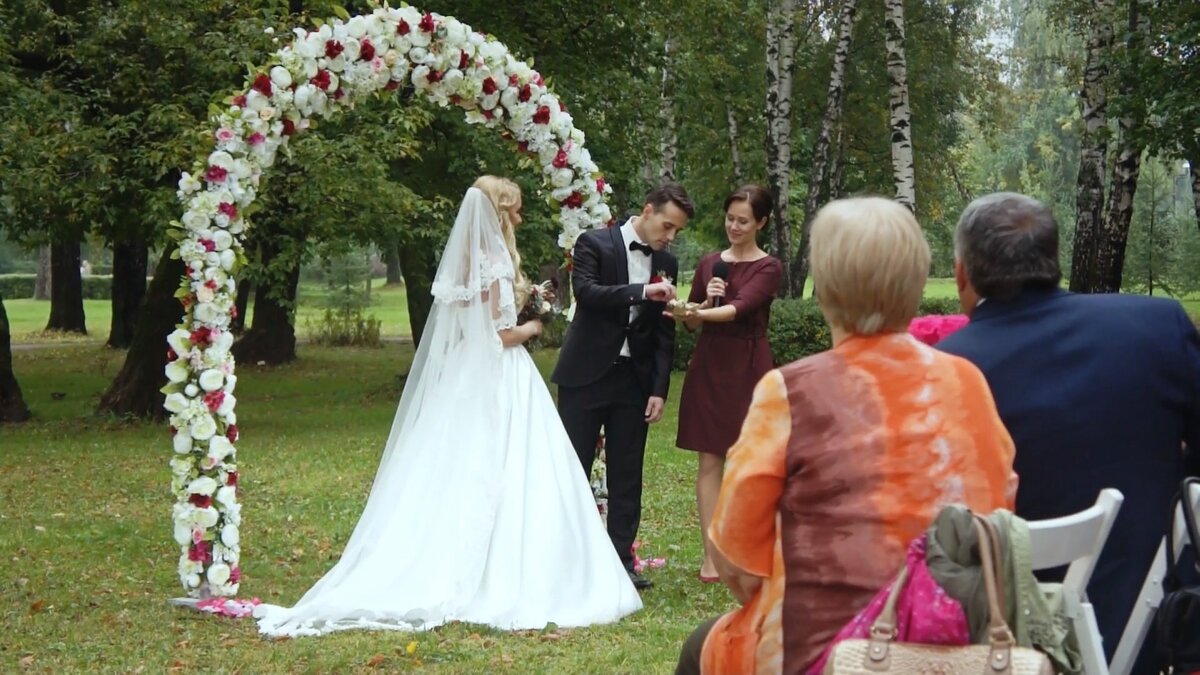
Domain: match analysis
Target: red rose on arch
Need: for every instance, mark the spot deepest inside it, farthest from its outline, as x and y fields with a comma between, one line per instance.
x=289, y=127
x=333, y=49
x=434, y=76
x=231, y=478
x=489, y=86
x=240, y=100
x=262, y=84
x=542, y=116
x=200, y=501
x=463, y=60
x=525, y=94
x=427, y=23
x=321, y=80
x=231, y=432
x=215, y=174
x=214, y=399
x=366, y=51
x=403, y=28
x=560, y=160
x=575, y=201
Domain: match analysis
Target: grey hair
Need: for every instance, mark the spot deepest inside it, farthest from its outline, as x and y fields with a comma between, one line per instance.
x=1007, y=242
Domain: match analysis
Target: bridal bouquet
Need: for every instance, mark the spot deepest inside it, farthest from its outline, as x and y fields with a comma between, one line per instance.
x=543, y=302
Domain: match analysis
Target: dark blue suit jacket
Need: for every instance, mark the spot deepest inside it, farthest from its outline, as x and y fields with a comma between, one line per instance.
x=1097, y=391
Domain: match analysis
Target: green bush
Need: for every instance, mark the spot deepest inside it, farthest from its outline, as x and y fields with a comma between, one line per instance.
x=14, y=286
x=20, y=286
x=345, y=327
x=345, y=322
x=798, y=329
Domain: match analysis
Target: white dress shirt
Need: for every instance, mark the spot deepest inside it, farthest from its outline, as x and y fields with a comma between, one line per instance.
x=639, y=271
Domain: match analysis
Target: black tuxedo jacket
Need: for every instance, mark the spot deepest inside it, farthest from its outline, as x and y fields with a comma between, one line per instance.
x=603, y=296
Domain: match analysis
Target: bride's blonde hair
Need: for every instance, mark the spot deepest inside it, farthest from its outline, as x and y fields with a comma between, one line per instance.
x=505, y=195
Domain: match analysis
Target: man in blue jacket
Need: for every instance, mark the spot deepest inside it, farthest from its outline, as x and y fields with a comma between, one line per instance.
x=1097, y=390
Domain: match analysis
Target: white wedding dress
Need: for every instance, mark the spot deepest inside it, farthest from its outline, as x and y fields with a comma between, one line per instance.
x=480, y=511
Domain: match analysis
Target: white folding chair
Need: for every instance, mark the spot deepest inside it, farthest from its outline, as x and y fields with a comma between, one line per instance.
x=1152, y=593
x=1076, y=540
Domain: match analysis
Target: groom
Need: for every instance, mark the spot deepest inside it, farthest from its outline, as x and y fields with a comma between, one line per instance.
x=615, y=365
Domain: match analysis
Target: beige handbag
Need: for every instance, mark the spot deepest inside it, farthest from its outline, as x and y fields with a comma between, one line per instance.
x=880, y=653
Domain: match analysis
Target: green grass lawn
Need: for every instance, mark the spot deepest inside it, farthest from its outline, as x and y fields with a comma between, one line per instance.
x=28, y=317
x=388, y=304
x=85, y=528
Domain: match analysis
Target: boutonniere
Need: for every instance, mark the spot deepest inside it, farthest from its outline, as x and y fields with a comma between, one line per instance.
x=661, y=276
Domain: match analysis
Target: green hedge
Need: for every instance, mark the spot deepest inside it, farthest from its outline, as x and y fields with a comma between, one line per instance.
x=798, y=329
x=18, y=286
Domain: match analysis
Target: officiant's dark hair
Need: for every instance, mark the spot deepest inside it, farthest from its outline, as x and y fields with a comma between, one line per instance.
x=671, y=193
x=1008, y=242
x=758, y=197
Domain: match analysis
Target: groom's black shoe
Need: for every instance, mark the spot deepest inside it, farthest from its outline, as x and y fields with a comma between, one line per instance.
x=640, y=582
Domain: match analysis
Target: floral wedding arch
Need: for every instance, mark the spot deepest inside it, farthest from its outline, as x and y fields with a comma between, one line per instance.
x=320, y=73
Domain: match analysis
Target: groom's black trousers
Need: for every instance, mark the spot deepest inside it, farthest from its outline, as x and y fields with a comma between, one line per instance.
x=617, y=403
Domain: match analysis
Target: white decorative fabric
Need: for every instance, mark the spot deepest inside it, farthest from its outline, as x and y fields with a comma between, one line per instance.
x=479, y=511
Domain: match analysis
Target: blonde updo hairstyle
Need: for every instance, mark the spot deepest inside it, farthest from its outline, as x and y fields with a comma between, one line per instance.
x=505, y=195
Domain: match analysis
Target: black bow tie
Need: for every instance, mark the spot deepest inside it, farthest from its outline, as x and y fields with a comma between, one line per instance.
x=639, y=246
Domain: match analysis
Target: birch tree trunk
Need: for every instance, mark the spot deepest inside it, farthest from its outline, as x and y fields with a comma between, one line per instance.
x=735, y=154
x=670, y=136
x=1194, y=169
x=1089, y=188
x=819, y=179
x=901, y=113
x=781, y=65
x=1110, y=263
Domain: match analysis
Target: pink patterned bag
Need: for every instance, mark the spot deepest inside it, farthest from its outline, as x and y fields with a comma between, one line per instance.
x=924, y=613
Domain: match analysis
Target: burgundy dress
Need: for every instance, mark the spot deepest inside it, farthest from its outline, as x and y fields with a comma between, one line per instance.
x=730, y=358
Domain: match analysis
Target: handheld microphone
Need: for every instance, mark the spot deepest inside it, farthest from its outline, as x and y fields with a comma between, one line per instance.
x=720, y=271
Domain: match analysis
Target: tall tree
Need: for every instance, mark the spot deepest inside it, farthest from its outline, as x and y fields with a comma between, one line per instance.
x=1110, y=260
x=66, y=288
x=12, y=403
x=735, y=152
x=819, y=187
x=41, y=285
x=1093, y=104
x=128, y=289
x=135, y=390
x=669, y=146
x=781, y=66
x=901, y=112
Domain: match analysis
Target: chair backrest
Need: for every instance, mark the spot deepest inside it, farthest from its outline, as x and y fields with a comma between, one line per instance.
x=1151, y=595
x=1076, y=540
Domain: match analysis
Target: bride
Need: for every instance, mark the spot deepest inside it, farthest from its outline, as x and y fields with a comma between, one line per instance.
x=479, y=511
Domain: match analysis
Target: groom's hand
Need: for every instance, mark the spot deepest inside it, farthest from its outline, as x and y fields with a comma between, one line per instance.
x=654, y=409
x=661, y=291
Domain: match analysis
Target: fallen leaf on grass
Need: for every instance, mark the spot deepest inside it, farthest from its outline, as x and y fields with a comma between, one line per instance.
x=376, y=661
x=36, y=606
x=27, y=661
